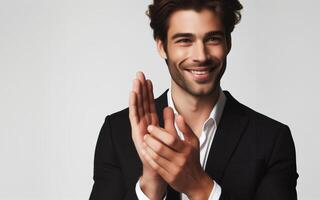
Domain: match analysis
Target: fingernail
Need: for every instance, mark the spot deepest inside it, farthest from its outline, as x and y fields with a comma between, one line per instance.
x=150, y=128
x=145, y=137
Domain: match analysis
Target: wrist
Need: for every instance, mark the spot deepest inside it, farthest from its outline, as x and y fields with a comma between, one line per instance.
x=153, y=187
x=203, y=189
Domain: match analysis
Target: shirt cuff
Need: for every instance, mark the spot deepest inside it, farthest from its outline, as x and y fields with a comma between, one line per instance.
x=216, y=192
x=140, y=194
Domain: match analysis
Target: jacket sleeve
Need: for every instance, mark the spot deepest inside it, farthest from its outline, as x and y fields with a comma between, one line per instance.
x=108, y=179
x=280, y=179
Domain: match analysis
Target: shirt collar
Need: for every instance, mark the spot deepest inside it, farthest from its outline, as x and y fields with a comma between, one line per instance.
x=216, y=112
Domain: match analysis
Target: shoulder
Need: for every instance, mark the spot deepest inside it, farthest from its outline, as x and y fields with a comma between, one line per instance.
x=263, y=135
x=266, y=127
x=262, y=120
x=119, y=115
x=118, y=120
x=261, y=129
x=255, y=117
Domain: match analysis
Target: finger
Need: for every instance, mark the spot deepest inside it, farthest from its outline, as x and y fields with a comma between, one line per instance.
x=133, y=112
x=159, y=159
x=161, y=171
x=161, y=149
x=168, y=117
x=137, y=89
x=152, y=106
x=165, y=168
x=145, y=98
x=171, y=141
x=188, y=134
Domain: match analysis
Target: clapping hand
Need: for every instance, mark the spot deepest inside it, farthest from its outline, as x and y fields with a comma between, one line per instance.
x=142, y=112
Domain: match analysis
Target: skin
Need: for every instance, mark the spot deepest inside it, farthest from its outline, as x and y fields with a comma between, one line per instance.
x=194, y=39
x=142, y=112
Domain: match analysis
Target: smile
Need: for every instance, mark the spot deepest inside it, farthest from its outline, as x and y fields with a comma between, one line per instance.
x=201, y=74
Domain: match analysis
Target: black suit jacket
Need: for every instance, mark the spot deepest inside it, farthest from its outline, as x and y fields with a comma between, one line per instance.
x=251, y=157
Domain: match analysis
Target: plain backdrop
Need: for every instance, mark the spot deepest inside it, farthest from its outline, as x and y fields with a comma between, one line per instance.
x=66, y=64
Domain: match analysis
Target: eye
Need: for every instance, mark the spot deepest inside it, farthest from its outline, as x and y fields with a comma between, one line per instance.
x=214, y=40
x=184, y=40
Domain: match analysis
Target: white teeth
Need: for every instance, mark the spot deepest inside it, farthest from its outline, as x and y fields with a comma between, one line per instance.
x=199, y=72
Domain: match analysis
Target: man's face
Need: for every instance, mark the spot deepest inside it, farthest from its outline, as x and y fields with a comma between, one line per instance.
x=196, y=51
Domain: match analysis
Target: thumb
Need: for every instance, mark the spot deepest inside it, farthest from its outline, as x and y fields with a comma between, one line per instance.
x=185, y=129
x=168, y=117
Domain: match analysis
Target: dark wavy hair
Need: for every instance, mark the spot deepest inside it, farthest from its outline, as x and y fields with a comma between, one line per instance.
x=160, y=11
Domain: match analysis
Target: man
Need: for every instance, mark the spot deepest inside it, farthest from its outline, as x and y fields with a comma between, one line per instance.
x=195, y=141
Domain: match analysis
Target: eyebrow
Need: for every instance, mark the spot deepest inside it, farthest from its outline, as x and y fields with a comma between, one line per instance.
x=188, y=35
x=214, y=33
x=179, y=35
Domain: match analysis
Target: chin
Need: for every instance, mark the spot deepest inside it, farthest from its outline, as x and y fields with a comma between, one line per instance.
x=201, y=91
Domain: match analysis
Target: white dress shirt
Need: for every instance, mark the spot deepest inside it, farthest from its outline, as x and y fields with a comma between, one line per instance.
x=206, y=137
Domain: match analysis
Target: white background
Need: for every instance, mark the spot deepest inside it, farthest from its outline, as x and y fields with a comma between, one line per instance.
x=66, y=64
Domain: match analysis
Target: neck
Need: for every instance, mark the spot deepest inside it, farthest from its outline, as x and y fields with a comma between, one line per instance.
x=194, y=109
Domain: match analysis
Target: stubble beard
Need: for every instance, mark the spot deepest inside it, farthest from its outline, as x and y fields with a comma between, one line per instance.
x=180, y=81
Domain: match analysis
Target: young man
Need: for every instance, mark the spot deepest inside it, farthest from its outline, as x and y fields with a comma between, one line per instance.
x=195, y=141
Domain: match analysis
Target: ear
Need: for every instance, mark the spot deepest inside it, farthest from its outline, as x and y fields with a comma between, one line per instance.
x=160, y=47
x=229, y=43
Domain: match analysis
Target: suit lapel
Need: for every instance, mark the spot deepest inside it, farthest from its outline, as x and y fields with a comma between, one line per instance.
x=229, y=131
x=161, y=103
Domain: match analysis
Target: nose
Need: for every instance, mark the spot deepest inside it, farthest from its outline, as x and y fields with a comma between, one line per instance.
x=199, y=52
